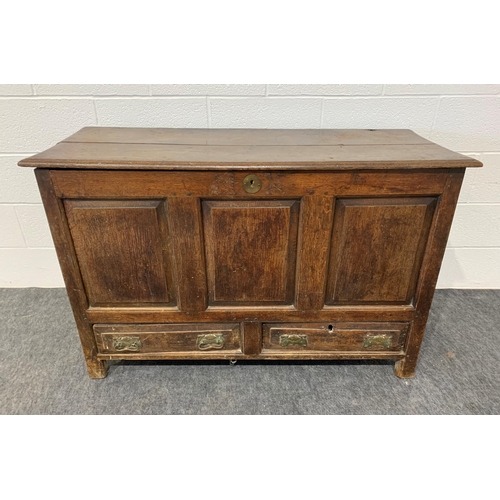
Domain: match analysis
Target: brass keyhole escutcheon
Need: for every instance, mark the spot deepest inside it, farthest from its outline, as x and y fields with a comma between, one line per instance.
x=252, y=184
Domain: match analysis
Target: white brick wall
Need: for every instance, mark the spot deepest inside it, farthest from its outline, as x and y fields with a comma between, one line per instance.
x=465, y=118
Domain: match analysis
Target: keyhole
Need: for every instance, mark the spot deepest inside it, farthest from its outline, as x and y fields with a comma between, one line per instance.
x=330, y=328
x=251, y=183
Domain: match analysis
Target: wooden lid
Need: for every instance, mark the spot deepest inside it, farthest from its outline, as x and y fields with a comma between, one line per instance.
x=205, y=149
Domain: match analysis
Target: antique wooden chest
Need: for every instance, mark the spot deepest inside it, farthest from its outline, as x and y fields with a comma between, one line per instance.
x=249, y=244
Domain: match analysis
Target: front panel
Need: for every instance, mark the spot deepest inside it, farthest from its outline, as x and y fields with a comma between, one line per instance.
x=251, y=251
x=197, y=245
x=123, y=251
x=377, y=248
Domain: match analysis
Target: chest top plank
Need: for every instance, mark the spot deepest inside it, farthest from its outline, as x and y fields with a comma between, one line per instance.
x=195, y=149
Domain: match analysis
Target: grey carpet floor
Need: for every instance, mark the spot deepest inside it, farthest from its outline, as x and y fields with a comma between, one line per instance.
x=42, y=370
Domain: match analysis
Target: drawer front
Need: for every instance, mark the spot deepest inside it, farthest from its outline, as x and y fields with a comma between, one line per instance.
x=334, y=336
x=192, y=338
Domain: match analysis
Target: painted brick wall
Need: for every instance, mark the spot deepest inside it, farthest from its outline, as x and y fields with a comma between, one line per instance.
x=465, y=118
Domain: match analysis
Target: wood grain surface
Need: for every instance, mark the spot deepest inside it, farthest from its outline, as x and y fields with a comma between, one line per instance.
x=181, y=149
x=120, y=247
x=333, y=336
x=377, y=248
x=160, y=242
x=168, y=338
x=251, y=251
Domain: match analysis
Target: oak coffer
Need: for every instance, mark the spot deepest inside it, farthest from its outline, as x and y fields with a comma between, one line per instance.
x=249, y=244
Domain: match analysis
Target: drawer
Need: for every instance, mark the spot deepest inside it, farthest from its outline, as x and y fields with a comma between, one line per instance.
x=334, y=336
x=159, y=338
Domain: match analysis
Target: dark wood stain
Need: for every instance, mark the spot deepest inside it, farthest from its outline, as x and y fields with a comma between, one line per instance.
x=251, y=249
x=159, y=241
x=124, y=239
x=315, y=235
x=252, y=337
x=275, y=185
x=184, y=221
x=68, y=261
x=152, y=314
x=377, y=249
x=429, y=271
x=168, y=338
x=334, y=336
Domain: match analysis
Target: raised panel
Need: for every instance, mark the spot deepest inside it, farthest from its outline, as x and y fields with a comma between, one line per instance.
x=251, y=251
x=377, y=248
x=122, y=251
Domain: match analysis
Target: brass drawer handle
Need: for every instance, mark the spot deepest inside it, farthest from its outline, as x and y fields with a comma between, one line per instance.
x=287, y=340
x=383, y=340
x=127, y=343
x=210, y=341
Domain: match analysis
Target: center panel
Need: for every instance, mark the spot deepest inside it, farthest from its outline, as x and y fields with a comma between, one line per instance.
x=251, y=251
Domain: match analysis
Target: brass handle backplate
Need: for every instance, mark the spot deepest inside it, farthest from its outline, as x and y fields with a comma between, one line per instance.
x=127, y=343
x=381, y=340
x=252, y=184
x=287, y=340
x=210, y=341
